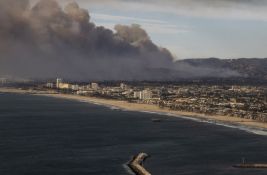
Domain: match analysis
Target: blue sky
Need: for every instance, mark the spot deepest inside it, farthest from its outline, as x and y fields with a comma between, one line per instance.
x=191, y=28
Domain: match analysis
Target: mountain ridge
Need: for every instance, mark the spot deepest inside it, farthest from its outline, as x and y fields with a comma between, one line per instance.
x=245, y=67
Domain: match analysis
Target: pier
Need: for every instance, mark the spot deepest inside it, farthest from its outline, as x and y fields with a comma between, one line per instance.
x=258, y=166
x=137, y=164
x=250, y=165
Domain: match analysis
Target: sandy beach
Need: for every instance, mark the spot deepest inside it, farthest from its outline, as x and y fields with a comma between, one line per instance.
x=147, y=108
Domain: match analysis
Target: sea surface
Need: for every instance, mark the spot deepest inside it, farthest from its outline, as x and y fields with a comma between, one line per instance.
x=48, y=136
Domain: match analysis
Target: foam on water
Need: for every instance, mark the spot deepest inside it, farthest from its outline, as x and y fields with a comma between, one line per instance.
x=128, y=169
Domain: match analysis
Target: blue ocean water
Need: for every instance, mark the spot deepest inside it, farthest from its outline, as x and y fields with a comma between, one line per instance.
x=48, y=136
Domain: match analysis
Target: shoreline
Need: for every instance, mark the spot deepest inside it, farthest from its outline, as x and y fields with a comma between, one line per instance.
x=243, y=124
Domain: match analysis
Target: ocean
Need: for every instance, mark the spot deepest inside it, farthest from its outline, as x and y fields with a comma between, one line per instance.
x=48, y=136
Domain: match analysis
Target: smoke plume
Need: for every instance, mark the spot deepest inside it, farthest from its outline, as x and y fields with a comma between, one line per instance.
x=46, y=40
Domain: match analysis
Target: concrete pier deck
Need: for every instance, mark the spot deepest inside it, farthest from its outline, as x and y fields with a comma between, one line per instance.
x=137, y=162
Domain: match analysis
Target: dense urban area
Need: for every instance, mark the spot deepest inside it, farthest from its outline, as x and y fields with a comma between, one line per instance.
x=243, y=101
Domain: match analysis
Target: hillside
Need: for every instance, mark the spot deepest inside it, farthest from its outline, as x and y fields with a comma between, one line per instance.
x=244, y=67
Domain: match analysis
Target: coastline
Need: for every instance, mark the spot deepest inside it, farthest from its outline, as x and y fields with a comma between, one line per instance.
x=220, y=120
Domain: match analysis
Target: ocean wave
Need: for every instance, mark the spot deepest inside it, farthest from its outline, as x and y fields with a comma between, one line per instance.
x=83, y=101
x=106, y=105
x=114, y=108
x=253, y=130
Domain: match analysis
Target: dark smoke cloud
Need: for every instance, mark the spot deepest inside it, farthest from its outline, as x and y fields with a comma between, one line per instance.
x=46, y=40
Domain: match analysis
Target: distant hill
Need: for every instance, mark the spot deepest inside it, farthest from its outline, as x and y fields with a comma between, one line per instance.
x=242, y=67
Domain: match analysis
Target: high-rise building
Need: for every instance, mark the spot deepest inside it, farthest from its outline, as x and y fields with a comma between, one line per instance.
x=59, y=81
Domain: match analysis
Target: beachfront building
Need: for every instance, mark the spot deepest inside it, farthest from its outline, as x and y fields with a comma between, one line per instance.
x=123, y=86
x=146, y=94
x=64, y=86
x=75, y=87
x=137, y=94
x=50, y=85
x=61, y=85
x=143, y=95
x=94, y=86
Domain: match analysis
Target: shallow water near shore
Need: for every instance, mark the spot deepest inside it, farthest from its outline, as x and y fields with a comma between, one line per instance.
x=44, y=135
x=198, y=118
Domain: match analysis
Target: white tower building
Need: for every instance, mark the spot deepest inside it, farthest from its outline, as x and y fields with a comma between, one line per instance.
x=59, y=81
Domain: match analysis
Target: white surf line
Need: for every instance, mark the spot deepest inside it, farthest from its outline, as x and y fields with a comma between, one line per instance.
x=128, y=169
x=252, y=130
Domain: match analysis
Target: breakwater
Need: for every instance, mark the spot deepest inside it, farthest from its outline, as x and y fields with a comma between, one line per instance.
x=136, y=164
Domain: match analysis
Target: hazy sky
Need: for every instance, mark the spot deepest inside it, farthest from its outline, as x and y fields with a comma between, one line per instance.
x=191, y=28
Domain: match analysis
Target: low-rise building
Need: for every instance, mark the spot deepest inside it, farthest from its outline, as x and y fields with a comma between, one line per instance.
x=75, y=87
x=123, y=86
x=64, y=86
x=94, y=86
x=50, y=85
